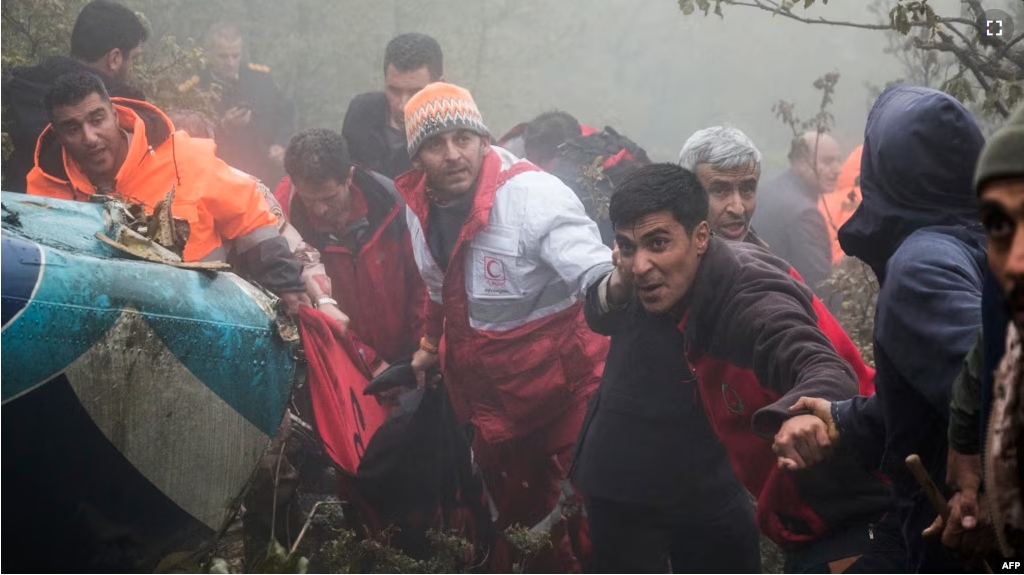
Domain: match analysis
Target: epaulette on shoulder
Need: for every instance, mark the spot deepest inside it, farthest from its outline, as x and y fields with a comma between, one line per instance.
x=188, y=84
x=259, y=68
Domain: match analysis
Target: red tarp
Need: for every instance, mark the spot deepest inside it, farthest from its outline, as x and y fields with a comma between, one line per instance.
x=336, y=376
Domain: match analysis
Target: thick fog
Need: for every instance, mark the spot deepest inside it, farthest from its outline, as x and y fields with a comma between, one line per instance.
x=642, y=67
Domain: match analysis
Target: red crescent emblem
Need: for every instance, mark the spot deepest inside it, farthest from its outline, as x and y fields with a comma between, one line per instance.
x=499, y=274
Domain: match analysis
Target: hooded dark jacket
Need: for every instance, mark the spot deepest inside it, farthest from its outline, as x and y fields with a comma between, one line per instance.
x=917, y=228
x=24, y=114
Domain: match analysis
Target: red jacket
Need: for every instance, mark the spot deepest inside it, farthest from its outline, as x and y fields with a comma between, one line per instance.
x=372, y=270
x=518, y=355
x=752, y=343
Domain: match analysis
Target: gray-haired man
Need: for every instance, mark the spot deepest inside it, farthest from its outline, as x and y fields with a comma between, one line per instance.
x=728, y=165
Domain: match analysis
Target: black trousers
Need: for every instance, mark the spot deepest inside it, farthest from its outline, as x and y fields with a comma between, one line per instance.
x=630, y=538
x=867, y=546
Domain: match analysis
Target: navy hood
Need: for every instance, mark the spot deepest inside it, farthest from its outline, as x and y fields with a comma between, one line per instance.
x=917, y=169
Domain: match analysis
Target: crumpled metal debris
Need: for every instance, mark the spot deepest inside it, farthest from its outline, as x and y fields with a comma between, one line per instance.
x=158, y=238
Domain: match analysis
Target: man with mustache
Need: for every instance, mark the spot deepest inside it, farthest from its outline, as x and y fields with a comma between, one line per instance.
x=917, y=228
x=507, y=253
x=712, y=341
x=728, y=166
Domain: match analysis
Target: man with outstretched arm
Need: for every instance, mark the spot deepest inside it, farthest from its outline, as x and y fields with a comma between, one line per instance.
x=712, y=342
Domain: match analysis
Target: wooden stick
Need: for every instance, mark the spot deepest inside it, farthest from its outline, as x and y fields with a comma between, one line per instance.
x=926, y=483
x=939, y=502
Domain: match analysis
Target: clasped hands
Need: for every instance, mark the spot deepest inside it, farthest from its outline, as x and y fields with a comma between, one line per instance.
x=807, y=439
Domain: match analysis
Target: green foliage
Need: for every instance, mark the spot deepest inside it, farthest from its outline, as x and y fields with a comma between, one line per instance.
x=449, y=553
x=823, y=121
x=899, y=20
x=6, y=146
x=279, y=560
x=528, y=546
x=165, y=64
x=687, y=6
x=35, y=29
x=960, y=88
x=350, y=554
x=858, y=286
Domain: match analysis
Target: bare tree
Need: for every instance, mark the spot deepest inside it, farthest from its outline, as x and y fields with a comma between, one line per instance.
x=988, y=65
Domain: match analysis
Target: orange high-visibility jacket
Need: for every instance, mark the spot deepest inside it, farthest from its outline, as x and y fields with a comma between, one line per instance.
x=838, y=206
x=218, y=202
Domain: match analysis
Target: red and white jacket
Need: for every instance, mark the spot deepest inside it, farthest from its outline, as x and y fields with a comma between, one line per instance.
x=515, y=349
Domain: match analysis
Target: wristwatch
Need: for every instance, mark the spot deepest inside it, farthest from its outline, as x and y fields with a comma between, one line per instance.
x=324, y=299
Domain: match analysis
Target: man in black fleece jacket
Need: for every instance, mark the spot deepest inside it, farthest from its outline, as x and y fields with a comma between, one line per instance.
x=375, y=121
x=708, y=337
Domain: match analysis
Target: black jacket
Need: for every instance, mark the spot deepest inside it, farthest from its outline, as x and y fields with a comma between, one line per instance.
x=787, y=218
x=646, y=432
x=917, y=228
x=366, y=130
x=273, y=121
x=24, y=117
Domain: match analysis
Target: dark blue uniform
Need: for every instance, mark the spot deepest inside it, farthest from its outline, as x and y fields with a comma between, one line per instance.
x=917, y=227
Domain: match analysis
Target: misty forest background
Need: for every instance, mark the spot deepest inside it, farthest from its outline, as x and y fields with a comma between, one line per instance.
x=655, y=70
x=644, y=68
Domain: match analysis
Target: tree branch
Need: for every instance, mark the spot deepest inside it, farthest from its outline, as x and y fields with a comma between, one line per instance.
x=986, y=69
x=759, y=4
x=20, y=26
x=775, y=8
x=948, y=45
x=1006, y=47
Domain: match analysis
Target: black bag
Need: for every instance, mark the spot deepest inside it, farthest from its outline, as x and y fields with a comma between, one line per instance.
x=593, y=166
x=417, y=474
